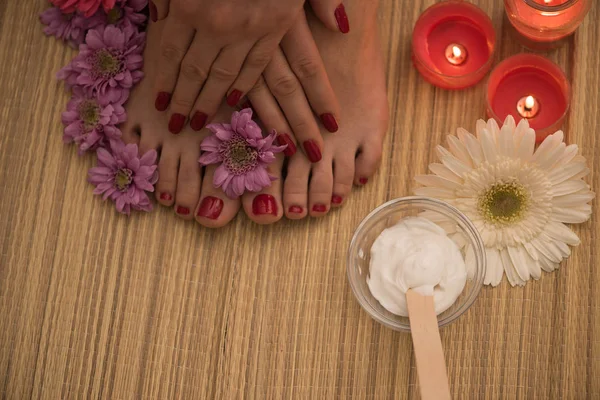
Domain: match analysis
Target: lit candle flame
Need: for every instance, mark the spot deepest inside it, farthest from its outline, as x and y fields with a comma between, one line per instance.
x=529, y=102
x=456, y=51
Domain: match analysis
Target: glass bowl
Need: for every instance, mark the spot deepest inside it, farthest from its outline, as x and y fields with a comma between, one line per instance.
x=446, y=216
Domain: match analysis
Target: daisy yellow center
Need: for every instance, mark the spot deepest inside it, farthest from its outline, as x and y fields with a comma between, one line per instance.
x=504, y=203
x=114, y=15
x=238, y=157
x=106, y=64
x=123, y=179
x=89, y=112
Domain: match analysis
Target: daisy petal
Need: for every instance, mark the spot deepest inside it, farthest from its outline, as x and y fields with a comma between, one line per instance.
x=560, y=175
x=561, y=232
x=488, y=145
x=519, y=261
x=509, y=268
x=568, y=187
x=442, y=171
x=436, y=181
x=459, y=150
x=494, y=271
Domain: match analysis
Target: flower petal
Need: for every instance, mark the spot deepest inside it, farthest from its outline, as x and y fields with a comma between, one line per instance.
x=437, y=181
x=509, y=268
x=472, y=145
x=209, y=157
x=495, y=270
x=519, y=261
x=488, y=145
x=559, y=231
x=568, y=172
x=442, y=171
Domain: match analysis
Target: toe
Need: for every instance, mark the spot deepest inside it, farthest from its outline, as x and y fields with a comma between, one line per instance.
x=295, y=187
x=189, y=180
x=167, y=175
x=367, y=162
x=320, y=188
x=214, y=209
x=343, y=175
x=265, y=207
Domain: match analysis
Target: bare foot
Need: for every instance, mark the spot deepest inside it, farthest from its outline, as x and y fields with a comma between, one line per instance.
x=181, y=184
x=350, y=156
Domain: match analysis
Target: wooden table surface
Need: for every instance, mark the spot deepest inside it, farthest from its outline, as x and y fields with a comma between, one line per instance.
x=96, y=305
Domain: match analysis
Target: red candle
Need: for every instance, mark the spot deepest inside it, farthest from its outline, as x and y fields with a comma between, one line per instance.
x=532, y=87
x=541, y=23
x=453, y=44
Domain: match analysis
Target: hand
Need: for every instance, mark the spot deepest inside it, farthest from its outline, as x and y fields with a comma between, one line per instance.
x=211, y=48
x=294, y=82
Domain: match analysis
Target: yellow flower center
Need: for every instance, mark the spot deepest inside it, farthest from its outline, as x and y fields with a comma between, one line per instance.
x=114, y=15
x=89, y=112
x=123, y=179
x=504, y=202
x=239, y=158
x=106, y=64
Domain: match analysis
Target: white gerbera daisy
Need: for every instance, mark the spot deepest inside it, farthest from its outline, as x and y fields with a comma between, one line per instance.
x=519, y=198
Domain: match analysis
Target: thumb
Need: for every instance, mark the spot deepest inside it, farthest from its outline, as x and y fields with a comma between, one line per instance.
x=332, y=13
x=158, y=9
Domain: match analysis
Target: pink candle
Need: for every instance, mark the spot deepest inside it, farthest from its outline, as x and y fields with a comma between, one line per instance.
x=532, y=87
x=541, y=22
x=453, y=44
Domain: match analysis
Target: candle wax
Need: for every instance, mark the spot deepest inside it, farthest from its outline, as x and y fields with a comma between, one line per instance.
x=530, y=81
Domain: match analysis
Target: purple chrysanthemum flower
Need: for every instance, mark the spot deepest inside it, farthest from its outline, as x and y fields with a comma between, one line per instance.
x=86, y=7
x=91, y=123
x=109, y=63
x=126, y=13
x=124, y=177
x=242, y=152
x=68, y=27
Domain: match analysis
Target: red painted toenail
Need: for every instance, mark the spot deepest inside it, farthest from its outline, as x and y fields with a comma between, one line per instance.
x=176, y=123
x=312, y=151
x=342, y=19
x=319, y=208
x=295, y=209
x=165, y=196
x=210, y=207
x=153, y=12
x=329, y=122
x=335, y=199
x=183, y=210
x=234, y=97
x=363, y=181
x=198, y=120
x=162, y=101
x=264, y=204
x=282, y=140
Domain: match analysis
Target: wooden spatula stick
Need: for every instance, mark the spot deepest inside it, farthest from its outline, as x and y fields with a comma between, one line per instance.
x=431, y=366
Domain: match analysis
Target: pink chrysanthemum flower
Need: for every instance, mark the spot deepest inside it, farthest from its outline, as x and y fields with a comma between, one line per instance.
x=91, y=123
x=87, y=7
x=124, y=177
x=242, y=152
x=126, y=13
x=109, y=63
x=68, y=27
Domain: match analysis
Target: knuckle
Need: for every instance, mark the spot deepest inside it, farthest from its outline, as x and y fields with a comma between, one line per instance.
x=223, y=73
x=172, y=53
x=193, y=72
x=306, y=68
x=181, y=103
x=285, y=86
x=259, y=87
x=259, y=59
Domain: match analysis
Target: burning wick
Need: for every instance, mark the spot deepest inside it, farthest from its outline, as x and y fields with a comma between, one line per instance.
x=528, y=107
x=456, y=54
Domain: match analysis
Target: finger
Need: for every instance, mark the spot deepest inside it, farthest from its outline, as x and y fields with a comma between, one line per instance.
x=223, y=73
x=159, y=9
x=332, y=13
x=192, y=75
x=289, y=94
x=254, y=65
x=176, y=38
x=303, y=56
x=271, y=116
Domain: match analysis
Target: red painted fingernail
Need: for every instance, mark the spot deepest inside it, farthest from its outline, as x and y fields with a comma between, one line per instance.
x=335, y=199
x=342, y=19
x=264, y=204
x=165, y=196
x=234, y=97
x=295, y=209
x=282, y=140
x=153, y=12
x=210, y=207
x=312, y=151
x=363, y=181
x=329, y=122
x=198, y=120
x=176, y=123
x=162, y=101
x=319, y=208
x=183, y=210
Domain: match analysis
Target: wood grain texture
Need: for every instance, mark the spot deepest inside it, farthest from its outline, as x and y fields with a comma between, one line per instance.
x=95, y=305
